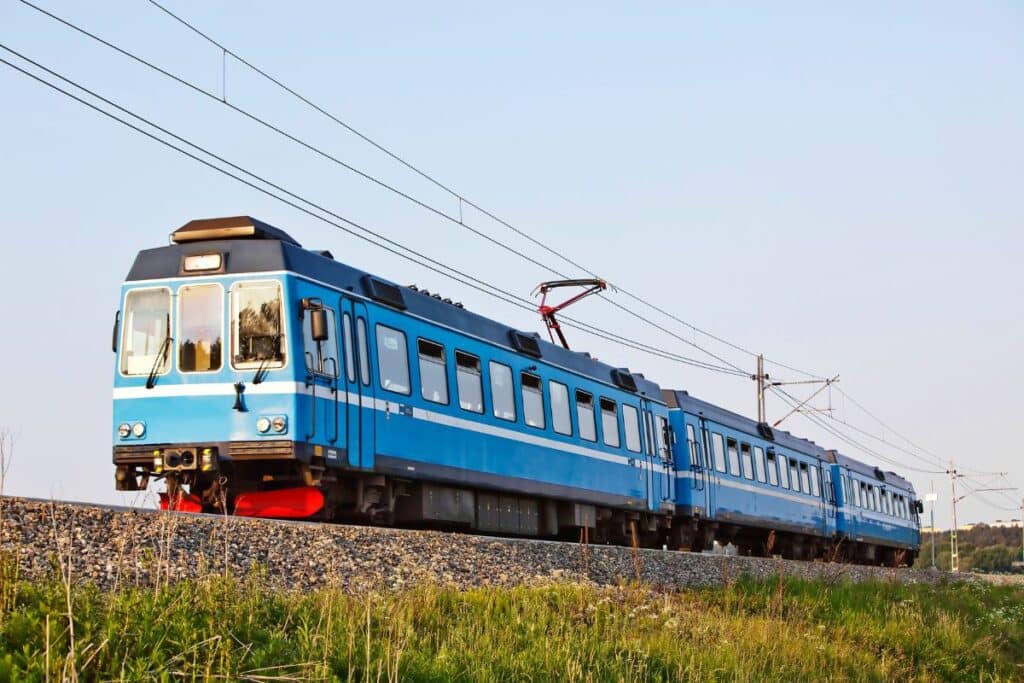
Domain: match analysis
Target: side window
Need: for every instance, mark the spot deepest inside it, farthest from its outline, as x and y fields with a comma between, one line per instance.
x=719, y=449
x=805, y=480
x=660, y=432
x=610, y=423
x=433, y=371
x=877, y=497
x=470, y=385
x=759, y=463
x=748, y=467
x=200, y=318
x=393, y=360
x=845, y=487
x=794, y=475
x=691, y=444
x=860, y=493
x=364, y=351
x=533, y=400
x=560, y=419
x=814, y=481
x=773, y=473
x=631, y=425
x=783, y=472
x=346, y=343
x=503, y=399
x=321, y=357
x=585, y=415
x=734, y=457
x=257, y=337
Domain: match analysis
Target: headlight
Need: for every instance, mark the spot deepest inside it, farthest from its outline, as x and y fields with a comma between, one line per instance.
x=123, y=430
x=278, y=423
x=262, y=425
x=138, y=429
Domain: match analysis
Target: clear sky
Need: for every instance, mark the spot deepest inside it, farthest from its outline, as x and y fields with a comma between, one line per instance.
x=836, y=187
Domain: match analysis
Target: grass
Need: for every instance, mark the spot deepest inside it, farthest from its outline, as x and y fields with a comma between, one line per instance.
x=236, y=629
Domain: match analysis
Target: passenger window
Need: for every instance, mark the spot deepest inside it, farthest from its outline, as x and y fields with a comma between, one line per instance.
x=815, y=490
x=321, y=356
x=783, y=472
x=719, y=448
x=200, y=319
x=433, y=372
x=861, y=491
x=664, y=449
x=691, y=445
x=364, y=351
x=805, y=481
x=560, y=418
x=346, y=343
x=503, y=399
x=257, y=336
x=470, y=386
x=585, y=415
x=393, y=360
x=877, y=497
x=759, y=463
x=794, y=474
x=533, y=400
x=734, y=457
x=631, y=424
x=748, y=466
x=773, y=473
x=610, y=423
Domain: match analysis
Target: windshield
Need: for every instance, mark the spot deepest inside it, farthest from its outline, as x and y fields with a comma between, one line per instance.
x=200, y=309
x=146, y=316
x=257, y=335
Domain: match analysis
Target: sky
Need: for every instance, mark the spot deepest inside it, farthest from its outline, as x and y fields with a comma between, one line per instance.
x=837, y=187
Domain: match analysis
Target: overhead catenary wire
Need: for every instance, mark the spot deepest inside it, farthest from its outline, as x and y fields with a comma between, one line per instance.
x=351, y=227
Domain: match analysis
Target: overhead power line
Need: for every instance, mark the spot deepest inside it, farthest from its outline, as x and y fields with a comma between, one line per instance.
x=342, y=223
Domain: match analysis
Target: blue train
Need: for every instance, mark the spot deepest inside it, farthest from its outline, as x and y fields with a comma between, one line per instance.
x=257, y=377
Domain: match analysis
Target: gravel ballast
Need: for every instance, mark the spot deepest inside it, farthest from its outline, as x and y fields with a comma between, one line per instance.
x=118, y=547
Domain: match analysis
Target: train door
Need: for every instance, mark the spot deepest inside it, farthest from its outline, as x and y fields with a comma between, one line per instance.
x=654, y=465
x=829, y=498
x=706, y=478
x=358, y=380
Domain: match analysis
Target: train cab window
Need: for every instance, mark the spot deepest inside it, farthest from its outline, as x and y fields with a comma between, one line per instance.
x=346, y=344
x=746, y=461
x=433, y=371
x=393, y=360
x=691, y=446
x=783, y=472
x=321, y=356
x=794, y=475
x=718, y=446
x=533, y=400
x=773, y=472
x=147, y=318
x=560, y=418
x=759, y=463
x=813, y=475
x=364, y=352
x=610, y=422
x=200, y=321
x=470, y=384
x=585, y=416
x=503, y=397
x=257, y=338
x=631, y=425
x=732, y=449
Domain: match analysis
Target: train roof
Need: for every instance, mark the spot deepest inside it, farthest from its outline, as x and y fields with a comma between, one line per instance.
x=248, y=245
x=682, y=399
x=873, y=472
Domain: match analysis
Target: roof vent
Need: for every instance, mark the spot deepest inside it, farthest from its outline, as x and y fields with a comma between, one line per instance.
x=879, y=474
x=384, y=292
x=765, y=431
x=525, y=343
x=623, y=379
x=235, y=227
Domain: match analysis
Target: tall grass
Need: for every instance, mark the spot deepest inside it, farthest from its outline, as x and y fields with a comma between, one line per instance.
x=228, y=628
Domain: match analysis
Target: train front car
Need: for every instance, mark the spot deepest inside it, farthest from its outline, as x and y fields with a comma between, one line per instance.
x=206, y=372
x=260, y=378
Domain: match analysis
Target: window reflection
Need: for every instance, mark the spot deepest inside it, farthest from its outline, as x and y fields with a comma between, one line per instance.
x=200, y=312
x=256, y=323
x=146, y=317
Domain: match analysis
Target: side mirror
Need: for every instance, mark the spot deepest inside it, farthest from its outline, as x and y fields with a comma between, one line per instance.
x=920, y=507
x=113, y=335
x=318, y=324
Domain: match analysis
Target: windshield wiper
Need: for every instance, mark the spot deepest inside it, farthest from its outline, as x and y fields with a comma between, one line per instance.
x=161, y=356
x=264, y=368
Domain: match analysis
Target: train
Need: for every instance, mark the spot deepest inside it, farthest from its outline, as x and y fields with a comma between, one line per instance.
x=256, y=377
